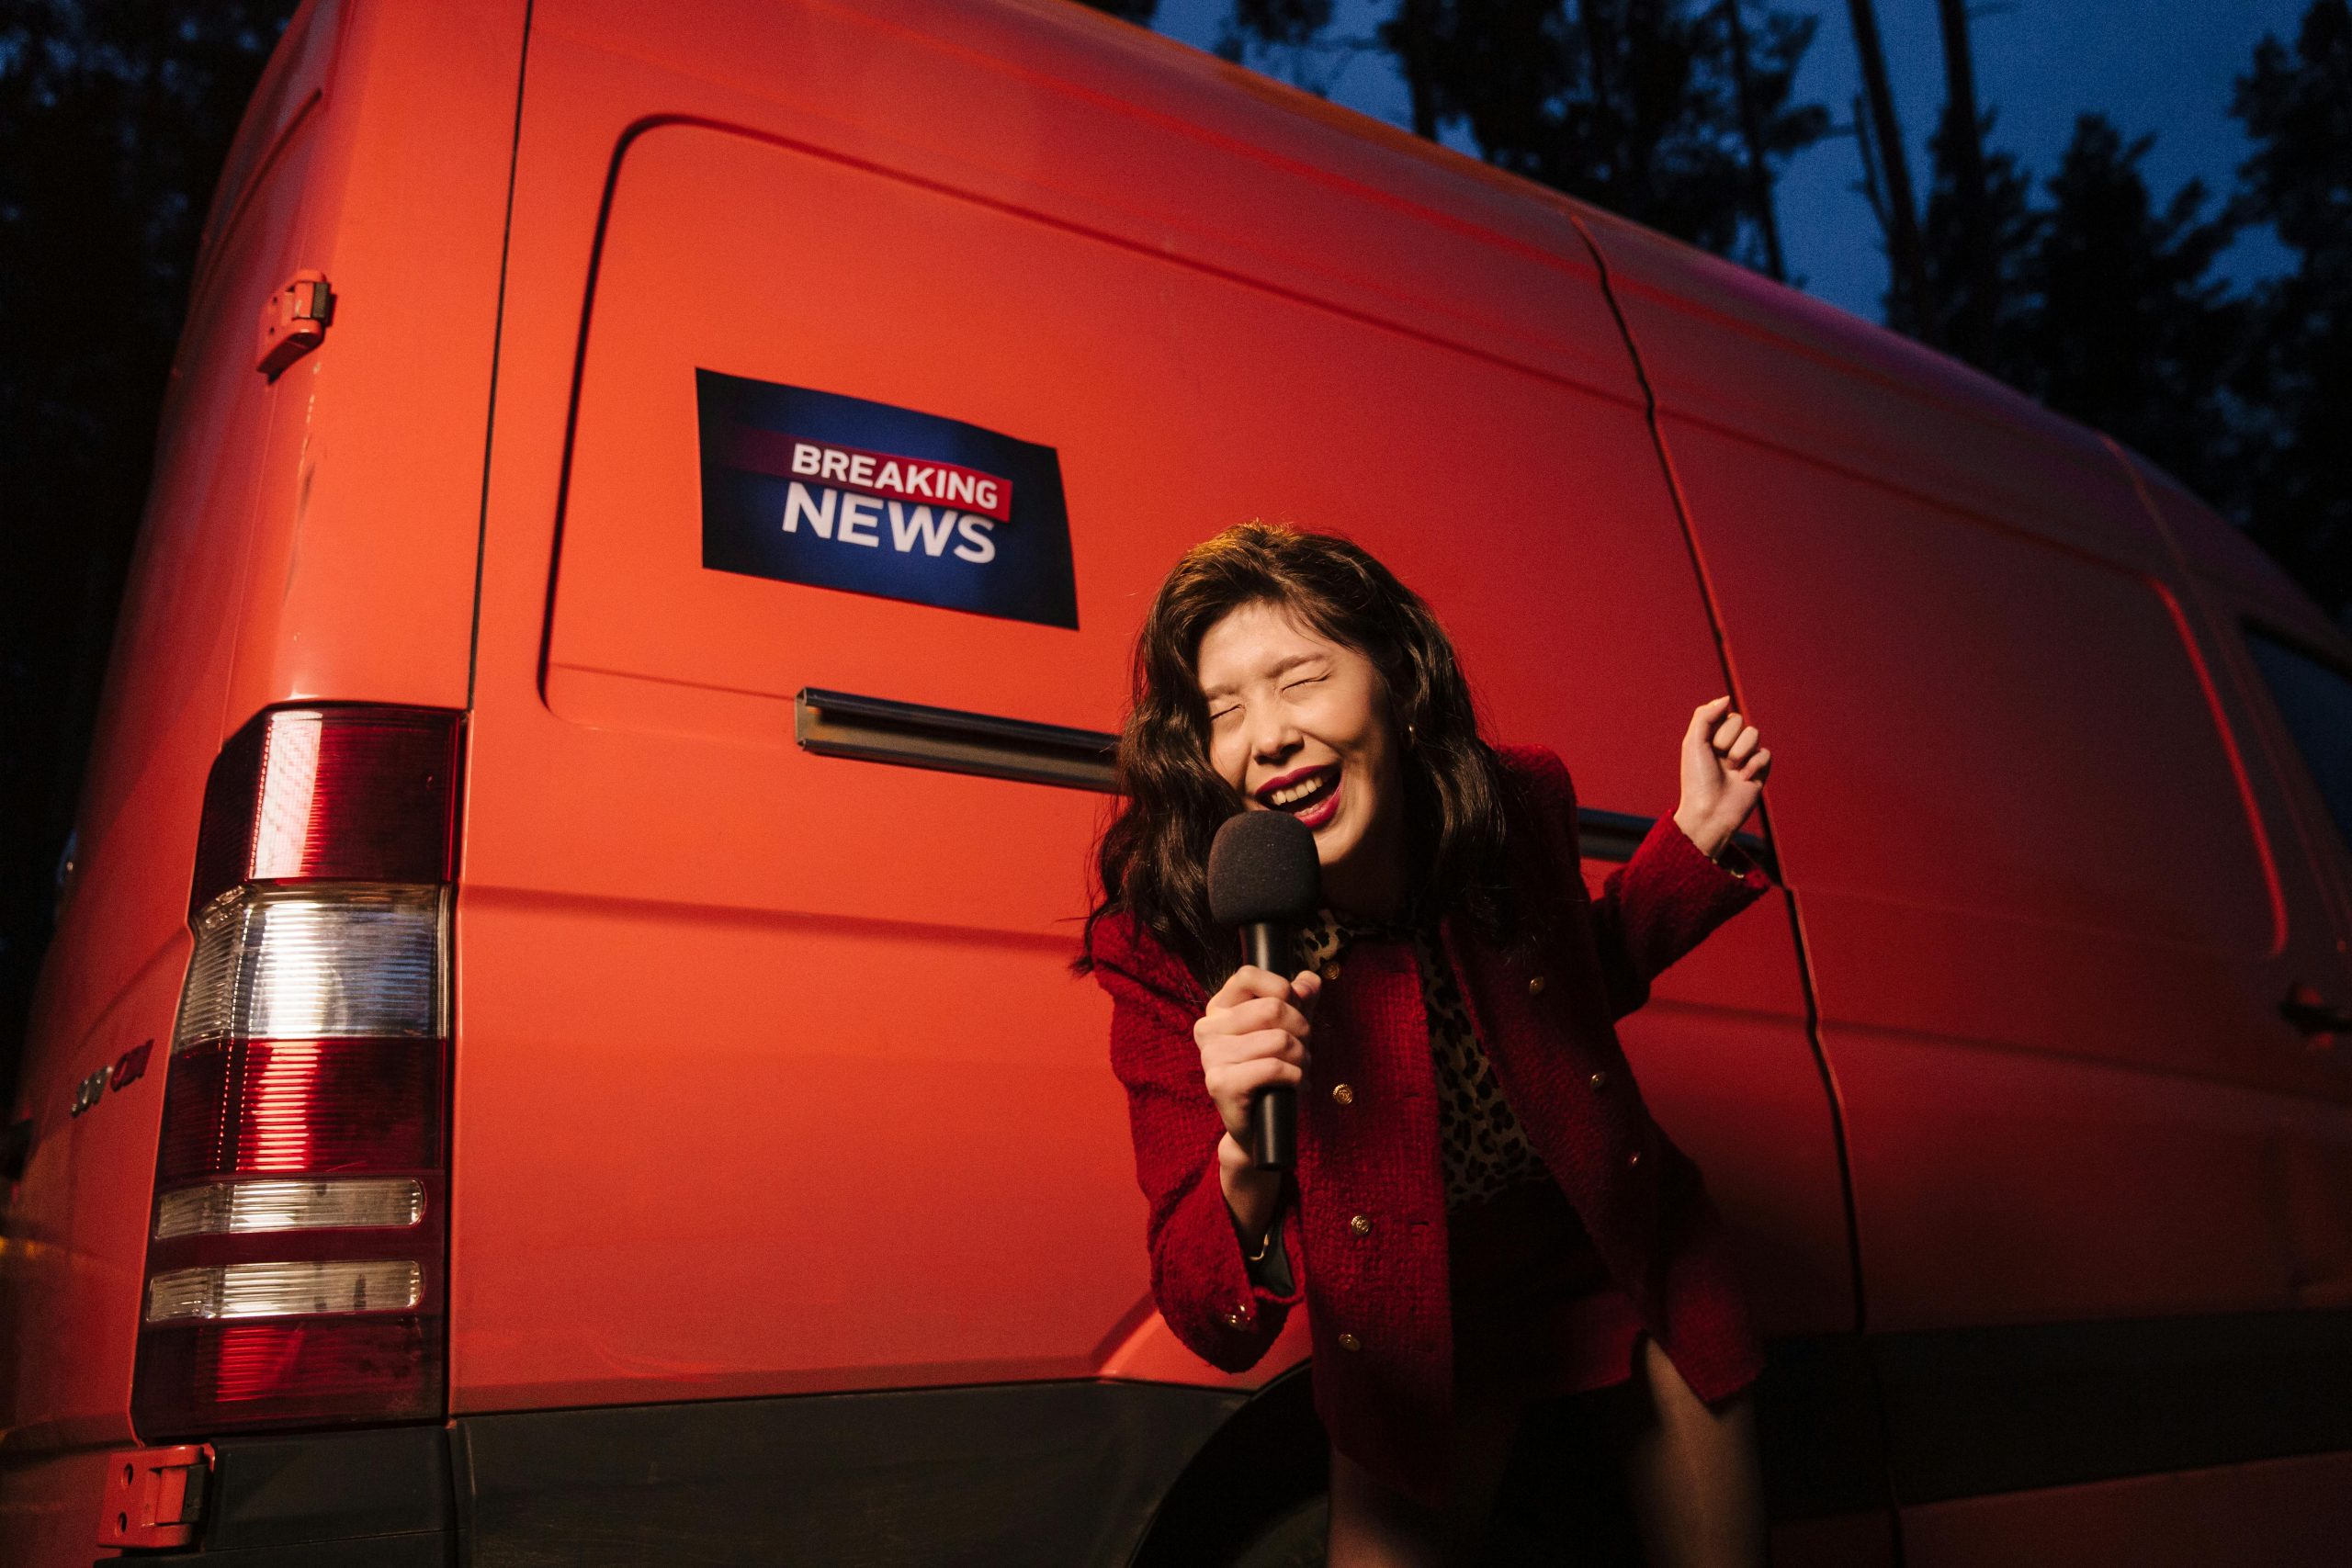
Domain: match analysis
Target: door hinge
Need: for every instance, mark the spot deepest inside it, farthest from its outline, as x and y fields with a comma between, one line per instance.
x=294, y=321
x=154, y=1496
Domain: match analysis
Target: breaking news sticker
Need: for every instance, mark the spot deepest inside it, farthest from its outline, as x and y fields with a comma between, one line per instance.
x=812, y=486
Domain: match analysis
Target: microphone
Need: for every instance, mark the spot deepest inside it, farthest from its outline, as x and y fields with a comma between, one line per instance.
x=1265, y=878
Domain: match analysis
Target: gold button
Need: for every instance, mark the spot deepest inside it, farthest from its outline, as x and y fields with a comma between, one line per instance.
x=1343, y=1093
x=1331, y=970
x=1599, y=1080
x=1350, y=1342
x=1535, y=987
x=1633, y=1159
x=1361, y=1225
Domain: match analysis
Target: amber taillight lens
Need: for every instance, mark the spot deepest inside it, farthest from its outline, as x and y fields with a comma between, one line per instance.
x=296, y=1256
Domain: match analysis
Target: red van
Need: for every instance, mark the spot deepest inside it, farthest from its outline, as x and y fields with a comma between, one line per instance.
x=559, y=1044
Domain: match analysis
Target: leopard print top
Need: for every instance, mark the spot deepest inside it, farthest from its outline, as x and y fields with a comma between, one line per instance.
x=1485, y=1148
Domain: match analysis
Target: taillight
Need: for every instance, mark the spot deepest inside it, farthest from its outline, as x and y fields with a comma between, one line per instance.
x=296, y=1252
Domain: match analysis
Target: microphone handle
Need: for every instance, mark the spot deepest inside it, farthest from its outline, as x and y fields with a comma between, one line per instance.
x=1274, y=1112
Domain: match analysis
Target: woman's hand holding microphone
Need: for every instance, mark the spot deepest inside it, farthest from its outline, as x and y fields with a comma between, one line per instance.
x=1253, y=1032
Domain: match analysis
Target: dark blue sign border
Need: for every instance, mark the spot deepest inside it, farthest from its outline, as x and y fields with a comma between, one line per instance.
x=862, y=538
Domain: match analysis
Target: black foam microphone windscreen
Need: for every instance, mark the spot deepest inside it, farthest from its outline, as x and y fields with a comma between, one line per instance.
x=1262, y=868
x=1265, y=878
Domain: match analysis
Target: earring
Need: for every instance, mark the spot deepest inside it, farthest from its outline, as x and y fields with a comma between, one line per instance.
x=1409, y=733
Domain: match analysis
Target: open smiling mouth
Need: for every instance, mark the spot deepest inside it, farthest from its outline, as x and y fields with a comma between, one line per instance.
x=1311, y=795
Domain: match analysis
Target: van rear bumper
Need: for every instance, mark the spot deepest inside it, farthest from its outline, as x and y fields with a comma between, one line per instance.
x=1028, y=1473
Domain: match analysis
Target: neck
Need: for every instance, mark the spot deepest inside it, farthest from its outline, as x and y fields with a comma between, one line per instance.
x=1368, y=886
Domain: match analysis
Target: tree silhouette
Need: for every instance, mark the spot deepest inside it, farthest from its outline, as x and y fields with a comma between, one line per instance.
x=2297, y=107
x=1139, y=12
x=1887, y=175
x=1632, y=105
x=2130, y=330
x=1975, y=247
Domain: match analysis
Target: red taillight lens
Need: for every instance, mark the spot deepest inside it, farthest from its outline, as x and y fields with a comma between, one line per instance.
x=347, y=794
x=297, y=1245
x=288, y=1106
x=287, y=1371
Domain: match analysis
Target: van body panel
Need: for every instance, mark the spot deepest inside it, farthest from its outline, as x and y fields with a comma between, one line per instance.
x=77, y=1236
x=293, y=85
x=1045, y=1472
x=2046, y=894
x=48, y=1504
x=361, y=584
x=113, y=977
x=998, y=89
x=1730, y=351
x=2043, y=875
x=2311, y=1150
x=778, y=1123
x=309, y=537
x=2238, y=588
x=2211, y=548
x=869, y=959
x=2281, y=1510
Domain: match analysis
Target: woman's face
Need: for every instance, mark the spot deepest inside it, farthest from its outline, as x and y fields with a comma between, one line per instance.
x=1299, y=723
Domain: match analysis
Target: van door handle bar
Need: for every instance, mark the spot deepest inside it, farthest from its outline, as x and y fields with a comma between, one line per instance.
x=1615, y=835
x=2313, y=1014
x=881, y=729
x=877, y=729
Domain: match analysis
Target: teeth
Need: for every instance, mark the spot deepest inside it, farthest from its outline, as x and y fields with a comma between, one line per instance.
x=1296, y=793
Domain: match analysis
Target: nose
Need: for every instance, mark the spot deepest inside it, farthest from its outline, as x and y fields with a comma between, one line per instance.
x=1272, y=736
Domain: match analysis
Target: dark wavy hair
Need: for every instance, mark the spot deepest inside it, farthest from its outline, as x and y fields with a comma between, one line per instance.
x=1153, y=858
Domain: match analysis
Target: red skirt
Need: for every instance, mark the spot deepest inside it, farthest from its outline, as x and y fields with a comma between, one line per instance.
x=1535, y=1312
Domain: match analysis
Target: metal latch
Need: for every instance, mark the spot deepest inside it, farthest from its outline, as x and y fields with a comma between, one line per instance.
x=294, y=322
x=154, y=1495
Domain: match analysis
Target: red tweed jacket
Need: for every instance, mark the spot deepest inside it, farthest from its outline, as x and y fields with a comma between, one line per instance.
x=1378, y=1302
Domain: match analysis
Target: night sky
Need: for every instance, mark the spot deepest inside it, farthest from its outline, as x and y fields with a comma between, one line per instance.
x=2157, y=67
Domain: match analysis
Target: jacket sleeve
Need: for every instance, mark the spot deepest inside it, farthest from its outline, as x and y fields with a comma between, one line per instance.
x=1273, y=1271
x=1214, y=1303
x=1657, y=906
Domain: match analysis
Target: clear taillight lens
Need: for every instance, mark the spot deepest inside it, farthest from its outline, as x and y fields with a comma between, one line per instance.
x=285, y=1290
x=297, y=1252
x=316, y=961
x=228, y=1208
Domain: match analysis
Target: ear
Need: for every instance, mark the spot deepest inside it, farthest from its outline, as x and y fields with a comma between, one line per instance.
x=1400, y=726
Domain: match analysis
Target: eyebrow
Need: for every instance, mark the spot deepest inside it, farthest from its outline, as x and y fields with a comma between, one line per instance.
x=1295, y=660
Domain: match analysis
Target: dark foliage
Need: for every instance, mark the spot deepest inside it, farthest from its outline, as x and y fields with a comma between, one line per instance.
x=1955, y=278
x=2103, y=302
x=1632, y=105
x=1139, y=12
x=2130, y=330
x=2297, y=106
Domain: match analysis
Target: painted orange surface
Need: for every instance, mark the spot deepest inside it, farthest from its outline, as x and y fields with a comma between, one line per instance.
x=769, y=1074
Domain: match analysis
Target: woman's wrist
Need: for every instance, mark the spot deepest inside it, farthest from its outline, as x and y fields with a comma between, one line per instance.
x=1253, y=1195
x=1711, y=842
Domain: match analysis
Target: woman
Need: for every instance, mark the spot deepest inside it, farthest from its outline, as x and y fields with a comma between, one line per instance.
x=1483, y=1212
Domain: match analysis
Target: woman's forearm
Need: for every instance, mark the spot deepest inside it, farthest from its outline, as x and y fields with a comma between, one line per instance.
x=1252, y=1194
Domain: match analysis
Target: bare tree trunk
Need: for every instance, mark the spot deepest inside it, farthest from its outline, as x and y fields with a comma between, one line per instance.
x=1752, y=128
x=1972, y=324
x=1872, y=192
x=1902, y=214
